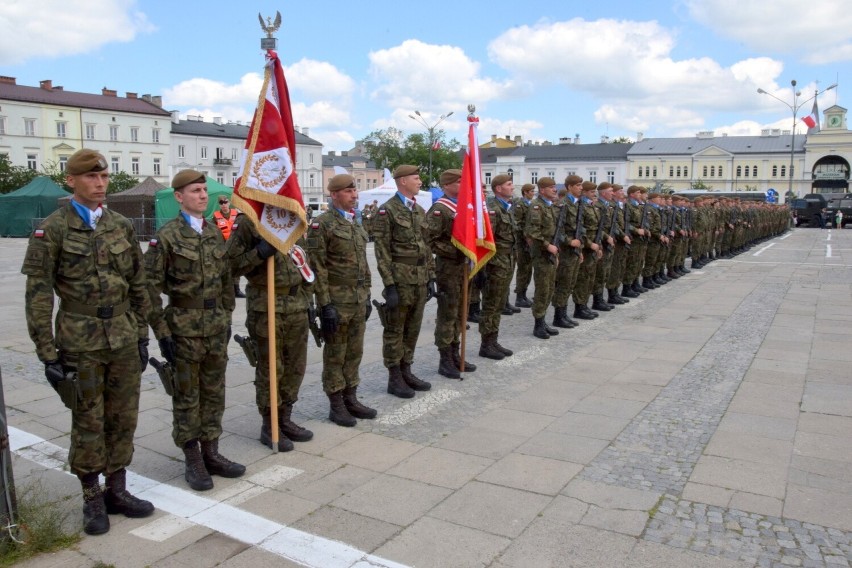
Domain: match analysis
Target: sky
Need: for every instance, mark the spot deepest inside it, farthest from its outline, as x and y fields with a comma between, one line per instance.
x=538, y=69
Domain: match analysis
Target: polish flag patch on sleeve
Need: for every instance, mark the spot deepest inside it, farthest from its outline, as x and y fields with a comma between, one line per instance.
x=39, y=233
x=382, y=212
x=314, y=225
x=153, y=243
x=436, y=213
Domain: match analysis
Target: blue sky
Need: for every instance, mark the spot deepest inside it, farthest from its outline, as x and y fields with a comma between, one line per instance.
x=537, y=69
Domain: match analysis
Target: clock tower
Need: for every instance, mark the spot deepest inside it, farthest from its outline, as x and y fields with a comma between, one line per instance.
x=835, y=118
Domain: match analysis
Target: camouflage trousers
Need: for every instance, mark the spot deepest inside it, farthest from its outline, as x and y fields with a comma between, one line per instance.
x=585, y=277
x=399, y=338
x=524, y=273
x=450, y=276
x=198, y=402
x=619, y=266
x=635, y=260
x=544, y=273
x=651, y=256
x=602, y=271
x=103, y=425
x=500, y=270
x=566, y=277
x=291, y=355
x=342, y=352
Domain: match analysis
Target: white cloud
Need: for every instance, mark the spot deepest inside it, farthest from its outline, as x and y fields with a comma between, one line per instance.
x=319, y=80
x=818, y=32
x=58, y=28
x=206, y=92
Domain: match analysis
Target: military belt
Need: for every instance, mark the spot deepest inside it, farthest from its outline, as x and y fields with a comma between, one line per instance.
x=291, y=291
x=505, y=249
x=194, y=303
x=341, y=281
x=102, y=312
x=409, y=260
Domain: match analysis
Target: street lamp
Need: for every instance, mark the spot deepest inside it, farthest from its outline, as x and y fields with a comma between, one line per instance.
x=795, y=109
x=431, y=129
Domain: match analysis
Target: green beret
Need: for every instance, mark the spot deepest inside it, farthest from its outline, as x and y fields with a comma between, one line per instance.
x=589, y=186
x=604, y=185
x=85, y=161
x=405, y=170
x=527, y=187
x=617, y=187
x=186, y=177
x=573, y=180
x=450, y=176
x=634, y=189
x=546, y=182
x=499, y=180
x=654, y=196
x=341, y=181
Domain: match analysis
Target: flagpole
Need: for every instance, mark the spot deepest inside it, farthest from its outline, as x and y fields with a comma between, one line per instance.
x=464, y=300
x=271, y=353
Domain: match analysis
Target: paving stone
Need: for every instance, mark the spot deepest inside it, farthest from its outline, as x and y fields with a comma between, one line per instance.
x=531, y=473
x=392, y=499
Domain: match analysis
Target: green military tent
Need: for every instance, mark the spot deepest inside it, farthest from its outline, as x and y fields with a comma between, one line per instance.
x=36, y=200
x=166, y=206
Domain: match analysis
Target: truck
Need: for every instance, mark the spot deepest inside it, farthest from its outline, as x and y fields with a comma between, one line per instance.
x=839, y=202
x=808, y=209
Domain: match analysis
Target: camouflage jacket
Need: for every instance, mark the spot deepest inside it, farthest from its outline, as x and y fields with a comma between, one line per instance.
x=192, y=269
x=540, y=225
x=292, y=292
x=591, y=219
x=502, y=226
x=400, y=238
x=338, y=250
x=98, y=268
x=520, y=209
x=440, y=222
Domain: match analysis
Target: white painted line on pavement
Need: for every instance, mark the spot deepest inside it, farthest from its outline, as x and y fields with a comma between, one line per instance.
x=418, y=407
x=289, y=543
x=828, y=237
x=785, y=236
x=162, y=529
x=764, y=248
x=827, y=251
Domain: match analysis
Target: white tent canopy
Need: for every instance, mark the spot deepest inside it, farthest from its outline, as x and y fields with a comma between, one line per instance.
x=384, y=192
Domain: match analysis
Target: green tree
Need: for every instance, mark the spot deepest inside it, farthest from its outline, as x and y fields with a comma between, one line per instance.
x=14, y=177
x=117, y=182
x=390, y=148
x=621, y=140
x=699, y=184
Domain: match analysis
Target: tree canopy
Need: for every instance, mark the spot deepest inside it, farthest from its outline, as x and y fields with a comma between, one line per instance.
x=15, y=177
x=390, y=147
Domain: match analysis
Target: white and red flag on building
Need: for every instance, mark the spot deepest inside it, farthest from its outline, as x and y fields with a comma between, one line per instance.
x=812, y=120
x=267, y=190
x=436, y=145
x=472, y=226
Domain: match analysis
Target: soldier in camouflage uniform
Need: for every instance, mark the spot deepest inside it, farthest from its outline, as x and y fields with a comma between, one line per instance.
x=637, y=214
x=570, y=252
x=338, y=249
x=248, y=252
x=605, y=209
x=539, y=229
x=89, y=257
x=500, y=269
x=449, y=272
x=592, y=253
x=656, y=242
x=621, y=234
x=408, y=273
x=187, y=261
x=524, y=272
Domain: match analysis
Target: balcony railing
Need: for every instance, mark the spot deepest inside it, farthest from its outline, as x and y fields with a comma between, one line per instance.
x=222, y=162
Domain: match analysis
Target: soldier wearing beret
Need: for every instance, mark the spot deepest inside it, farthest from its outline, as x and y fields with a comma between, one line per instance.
x=523, y=275
x=570, y=251
x=656, y=240
x=500, y=269
x=539, y=229
x=187, y=261
x=622, y=244
x=592, y=253
x=605, y=209
x=407, y=270
x=449, y=273
x=338, y=249
x=90, y=258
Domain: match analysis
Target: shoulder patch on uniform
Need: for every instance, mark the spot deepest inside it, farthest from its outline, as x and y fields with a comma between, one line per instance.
x=536, y=206
x=152, y=243
x=315, y=225
x=234, y=226
x=382, y=212
x=39, y=233
x=436, y=213
x=492, y=212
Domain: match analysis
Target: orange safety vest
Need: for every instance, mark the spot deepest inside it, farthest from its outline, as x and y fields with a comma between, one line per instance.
x=223, y=224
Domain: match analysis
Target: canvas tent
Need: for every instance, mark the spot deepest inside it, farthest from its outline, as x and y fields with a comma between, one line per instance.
x=166, y=206
x=387, y=190
x=36, y=200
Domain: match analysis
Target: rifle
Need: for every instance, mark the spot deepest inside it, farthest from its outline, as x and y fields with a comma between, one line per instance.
x=579, y=229
x=599, y=233
x=65, y=384
x=613, y=222
x=627, y=228
x=249, y=346
x=559, y=234
x=167, y=374
x=643, y=222
x=314, y=325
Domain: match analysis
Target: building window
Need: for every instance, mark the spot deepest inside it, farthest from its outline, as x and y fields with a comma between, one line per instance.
x=29, y=127
x=181, y=151
x=113, y=133
x=204, y=152
x=311, y=180
x=792, y=171
x=32, y=161
x=311, y=158
x=705, y=171
x=739, y=171
x=90, y=132
x=671, y=171
x=63, y=163
x=783, y=171
x=220, y=153
x=156, y=166
x=746, y=171
x=655, y=171
x=754, y=171
x=685, y=171
x=774, y=171
x=534, y=177
x=551, y=174
x=220, y=177
x=593, y=176
x=233, y=153
x=115, y=164
x=647, y=171
x=233, y=179
x=134, y=166
x=678, y=171
x=155, y=135
x=2, y=125
x=511, y=173
x=357, y=183
x=720, y=172
x=134, y=134
x=610, y=176
x=487, y=178
x=640, y=171
x=712, y=171
x=60, y=129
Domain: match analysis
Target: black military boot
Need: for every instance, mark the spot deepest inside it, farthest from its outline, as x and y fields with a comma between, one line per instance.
x=599, y=304
x=216, y=463
x=684, y=270
x=521, y=300
x=488, y=349
x=621, y=296
x=515, y=310
x=339, y=413
x=648, y=282
x=411, y=379
x=446, y=365
x=582, y=312
x=284, y=443
x=473, y=312
x=455, y=350
x=642, y=288
x=613, y=298
x=500, y=348
x=628, y=292
x=290, y=429
x=119, y=501
x=538, y=329
x=560, y=318
x=196, y=474
x=355, y=407
x=508, y=310
x=550, y=330
x=95, y=519
x=237, y=292
x=659, y=280
x=397, y=385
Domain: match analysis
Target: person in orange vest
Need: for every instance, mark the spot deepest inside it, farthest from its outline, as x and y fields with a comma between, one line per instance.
x=224, y=218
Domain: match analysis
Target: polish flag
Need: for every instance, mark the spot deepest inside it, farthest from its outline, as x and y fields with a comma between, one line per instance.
x=812, y=120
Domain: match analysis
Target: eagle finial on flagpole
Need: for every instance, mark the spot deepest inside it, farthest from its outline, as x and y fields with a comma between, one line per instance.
x=270, y=26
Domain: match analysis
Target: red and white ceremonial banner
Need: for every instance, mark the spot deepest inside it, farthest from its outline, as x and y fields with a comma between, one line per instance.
x=472, y=226
x=812, y=120
x=267, y=190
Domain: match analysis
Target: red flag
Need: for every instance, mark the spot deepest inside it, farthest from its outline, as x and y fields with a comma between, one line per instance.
x=267, y=190
x=436, y=145
x=812, y=120
x=472, y=226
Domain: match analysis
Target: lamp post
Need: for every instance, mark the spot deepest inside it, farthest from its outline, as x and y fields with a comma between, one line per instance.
x=795, y=110
x=431, y=129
